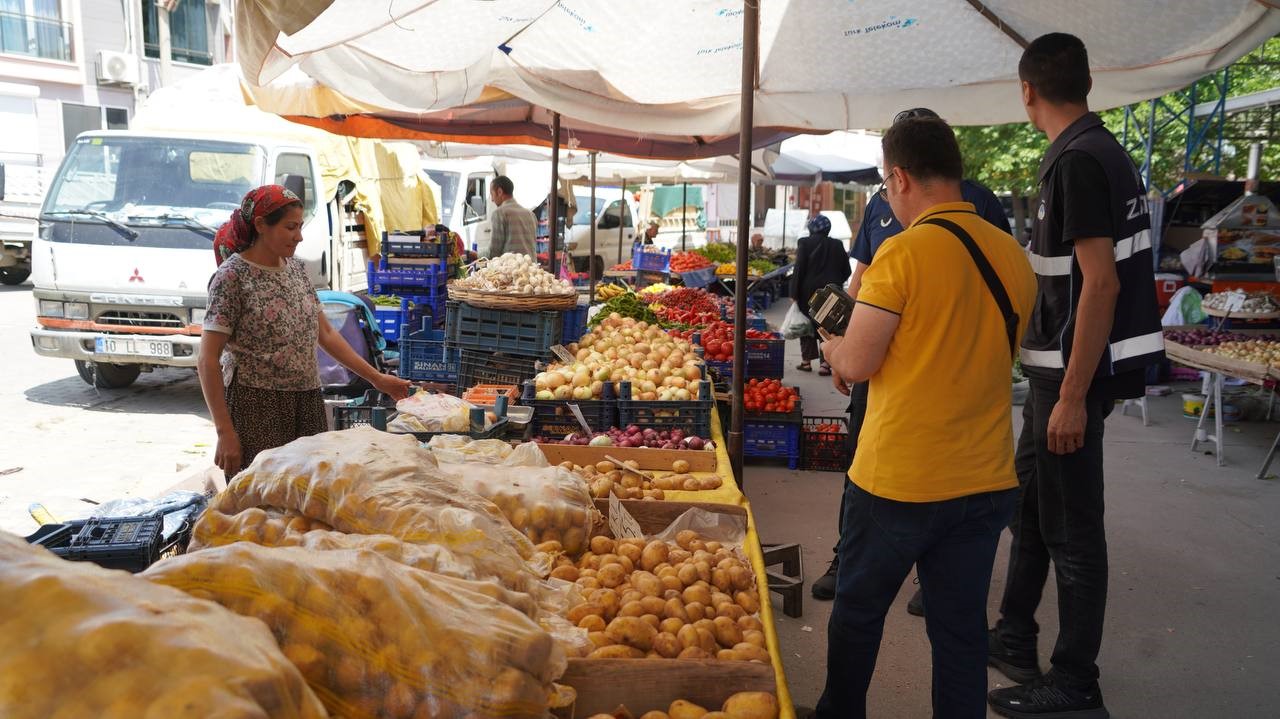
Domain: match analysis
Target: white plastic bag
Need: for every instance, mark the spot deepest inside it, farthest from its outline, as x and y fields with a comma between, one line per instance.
x=795, y=325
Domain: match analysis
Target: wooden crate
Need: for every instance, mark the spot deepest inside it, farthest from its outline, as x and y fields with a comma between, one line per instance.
x=655, y=516
x=649, y=459
x=644, y=685
x=1199, y=359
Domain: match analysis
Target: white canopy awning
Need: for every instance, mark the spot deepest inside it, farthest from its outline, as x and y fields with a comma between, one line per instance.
x=672, y=70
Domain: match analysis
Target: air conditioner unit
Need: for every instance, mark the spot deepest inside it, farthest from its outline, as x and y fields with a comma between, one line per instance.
x=117, y=68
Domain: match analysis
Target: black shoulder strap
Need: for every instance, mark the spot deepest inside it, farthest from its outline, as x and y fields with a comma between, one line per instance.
x=989, y=276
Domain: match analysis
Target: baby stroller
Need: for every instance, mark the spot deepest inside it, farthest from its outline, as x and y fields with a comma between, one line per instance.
x=353, y=317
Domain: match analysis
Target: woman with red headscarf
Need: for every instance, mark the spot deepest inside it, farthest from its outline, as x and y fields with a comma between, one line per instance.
x=263, y=391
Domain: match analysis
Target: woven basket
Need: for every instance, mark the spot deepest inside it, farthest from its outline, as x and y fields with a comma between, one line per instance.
x=511, y=301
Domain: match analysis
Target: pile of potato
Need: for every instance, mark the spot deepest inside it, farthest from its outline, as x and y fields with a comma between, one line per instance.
x=743, y=705
x=376, y=639
x=546, y=504
x=79, y=641
x=691, y=599
x=607, y=478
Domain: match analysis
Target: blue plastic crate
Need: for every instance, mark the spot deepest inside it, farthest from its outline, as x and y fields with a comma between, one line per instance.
x=421, y=280
x=552, y=418
x=574, y=324
x=412, y=244
x=771, y=440
x=692, y=417
x=654, y=261
x=410, y=313
x=525, y=333
x=476, y=367
x=424, y=357
x=766, y=359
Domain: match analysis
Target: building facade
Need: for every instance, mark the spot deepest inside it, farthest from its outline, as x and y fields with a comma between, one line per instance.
x=69, y=66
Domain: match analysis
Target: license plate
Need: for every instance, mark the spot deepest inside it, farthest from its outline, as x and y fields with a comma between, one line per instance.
x=133, y=346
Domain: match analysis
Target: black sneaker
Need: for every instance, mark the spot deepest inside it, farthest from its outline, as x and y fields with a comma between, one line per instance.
x=1020, y=666
x=825, y=587
x=915, y=605
x=1047, y=698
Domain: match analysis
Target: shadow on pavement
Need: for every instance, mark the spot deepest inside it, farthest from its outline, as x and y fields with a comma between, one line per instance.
x=158, y=392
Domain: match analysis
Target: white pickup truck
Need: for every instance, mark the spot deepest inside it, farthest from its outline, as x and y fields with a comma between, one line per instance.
x=123, y=256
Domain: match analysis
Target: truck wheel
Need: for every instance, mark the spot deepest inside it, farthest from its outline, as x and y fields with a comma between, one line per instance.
x=14, y=275
x=108, y=376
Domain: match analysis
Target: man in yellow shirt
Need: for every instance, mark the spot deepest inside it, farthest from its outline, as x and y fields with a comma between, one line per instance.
x=939, y=315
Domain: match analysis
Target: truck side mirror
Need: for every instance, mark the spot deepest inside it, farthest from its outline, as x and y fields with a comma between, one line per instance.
x=297, y=184
x=1, y=181
x=609, y=222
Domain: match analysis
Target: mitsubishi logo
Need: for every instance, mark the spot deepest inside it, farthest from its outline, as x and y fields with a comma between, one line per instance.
x=136, y=277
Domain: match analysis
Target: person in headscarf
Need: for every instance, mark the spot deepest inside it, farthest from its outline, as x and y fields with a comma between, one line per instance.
x=821, y=260
x=264, y=390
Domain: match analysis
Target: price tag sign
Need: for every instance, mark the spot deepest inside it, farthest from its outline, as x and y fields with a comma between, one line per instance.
x=577, y=414
x=1235, y=301
x=621, y=523
x=562, y=353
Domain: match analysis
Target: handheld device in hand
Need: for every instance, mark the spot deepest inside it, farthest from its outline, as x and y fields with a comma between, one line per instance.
x=830, y=307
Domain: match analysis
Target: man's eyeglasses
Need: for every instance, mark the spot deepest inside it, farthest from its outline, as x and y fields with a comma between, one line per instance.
x=883, y=192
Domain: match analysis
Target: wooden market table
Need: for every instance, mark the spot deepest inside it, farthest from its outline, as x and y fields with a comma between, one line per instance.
x=665, y=680
x=1219, y=368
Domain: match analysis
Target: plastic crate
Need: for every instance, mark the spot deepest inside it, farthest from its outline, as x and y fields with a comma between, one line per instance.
x=553, y=419
x=653, y=260
x=698, y=278
x=574, y=324
x=526, y=333
x=128, y=543
x=480, y=367
x=765, y=359
x=425, y=357
x=417, y=280
x=412, y=244
x=410, y=312
x=825, y=451
x=771, y=440
x=487, y=394
x=377, y=409
x=693, y=416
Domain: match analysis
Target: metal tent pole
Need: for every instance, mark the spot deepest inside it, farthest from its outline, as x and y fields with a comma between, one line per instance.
x=684, y=214
x=750, y=52
x=622, y=205
x=591, y=256
x=553, y=202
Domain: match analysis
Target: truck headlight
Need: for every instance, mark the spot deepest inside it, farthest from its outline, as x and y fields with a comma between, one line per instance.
x=197, y=316
x=77, y=310
x=50, y=308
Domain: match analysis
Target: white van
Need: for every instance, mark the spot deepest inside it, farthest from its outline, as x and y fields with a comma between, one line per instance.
x=465, y=206
x=124, y=253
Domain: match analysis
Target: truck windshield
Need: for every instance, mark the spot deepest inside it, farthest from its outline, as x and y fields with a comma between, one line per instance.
x=145, y=182
x=448, y=182
x=586, y=213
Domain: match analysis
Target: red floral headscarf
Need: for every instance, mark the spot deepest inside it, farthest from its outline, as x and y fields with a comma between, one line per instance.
x=237, y=233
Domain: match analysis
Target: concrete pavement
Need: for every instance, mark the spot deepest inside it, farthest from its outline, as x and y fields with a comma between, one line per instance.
x=73, y=442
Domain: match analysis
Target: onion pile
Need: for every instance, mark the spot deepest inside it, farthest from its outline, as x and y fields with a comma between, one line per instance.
x=515, y=273
x=1203, y=337
x=659, y=366
x=633, y=436
x=1257, y=351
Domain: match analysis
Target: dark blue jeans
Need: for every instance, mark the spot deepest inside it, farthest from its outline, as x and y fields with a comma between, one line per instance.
x=953, y=545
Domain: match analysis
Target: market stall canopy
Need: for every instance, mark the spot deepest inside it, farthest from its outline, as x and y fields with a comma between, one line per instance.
x=840, y=156
x=390, y=190
x=670, y=73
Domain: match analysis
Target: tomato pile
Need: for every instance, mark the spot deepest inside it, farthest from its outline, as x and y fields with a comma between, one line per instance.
x=717, y=342
x=768, y=395
x=826, y=428
x=688, y=261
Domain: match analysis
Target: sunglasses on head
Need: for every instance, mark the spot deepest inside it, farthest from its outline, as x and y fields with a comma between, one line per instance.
x=914, y=113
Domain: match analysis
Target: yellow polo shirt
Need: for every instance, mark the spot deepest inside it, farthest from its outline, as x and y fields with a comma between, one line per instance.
x=939, y=422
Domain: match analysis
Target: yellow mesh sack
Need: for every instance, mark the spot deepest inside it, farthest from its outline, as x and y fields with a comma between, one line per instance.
x=78, y=641
x=377, y=639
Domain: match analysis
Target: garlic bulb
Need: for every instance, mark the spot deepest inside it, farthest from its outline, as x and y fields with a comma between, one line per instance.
x=516, y=273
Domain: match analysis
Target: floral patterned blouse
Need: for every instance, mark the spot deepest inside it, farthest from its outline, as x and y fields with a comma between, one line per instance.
x=273, y=317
